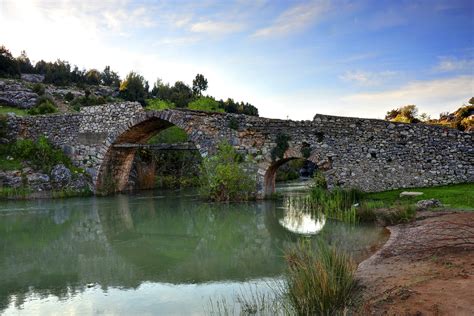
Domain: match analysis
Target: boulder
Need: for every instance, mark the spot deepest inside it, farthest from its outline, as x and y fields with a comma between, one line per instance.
x=425, y=204
x=16, y=94
x=60, y=176
x=406, y=193
x=38, y=181
x=35, y=78
x=10, y=179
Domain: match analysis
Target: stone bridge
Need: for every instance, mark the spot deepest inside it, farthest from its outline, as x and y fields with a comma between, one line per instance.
x=372, y=155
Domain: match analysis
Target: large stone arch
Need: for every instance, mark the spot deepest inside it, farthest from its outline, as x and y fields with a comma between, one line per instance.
x=117, y=161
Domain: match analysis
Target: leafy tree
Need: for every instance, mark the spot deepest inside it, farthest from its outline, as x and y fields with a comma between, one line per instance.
x=8, y=65
x=110, y=78
x=405, y=114
x=471, y=101
x=224, y=178
x=58, y=73
x=24, y=63
x=161, y=91
x=93, y=77
x=181, y=94
x=133, y=88
x=199, y=84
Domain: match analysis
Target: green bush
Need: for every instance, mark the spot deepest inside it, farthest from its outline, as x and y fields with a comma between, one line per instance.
x=3, y=126
x=225, y=179
x=44, y=108
x=319, y=181
x=38, y=88
x=158, y=104
x=40, y=153
x=281, y=146
x=233, y=124
x=319, y=283
x=69, y=96
x=205, y=104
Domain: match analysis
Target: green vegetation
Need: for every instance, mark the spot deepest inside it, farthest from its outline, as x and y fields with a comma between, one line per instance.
x=337, y=204
x=205, y=104
x=233, y=124
x=319, y=283
x=224, y=178
x=8, y=65
x=40, y=155
x=458, y=196
x=289, y=171
x=134, y=88
x=38, y=88
x=4, y=109
x=171, y=135
x=281, y=146
x=158, y=105
x=199, y=84
x=460, y=119
x=44, y=105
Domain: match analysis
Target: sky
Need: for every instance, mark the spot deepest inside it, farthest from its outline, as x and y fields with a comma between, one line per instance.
x=291, y=59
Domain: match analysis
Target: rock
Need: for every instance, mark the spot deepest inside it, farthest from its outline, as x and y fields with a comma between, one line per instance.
x=38, y=181
x=10, y=179
x=431, y=203
x=80, y=182
x=35, y=78
x=16, y=94
x=60, y=176
x=406, y=193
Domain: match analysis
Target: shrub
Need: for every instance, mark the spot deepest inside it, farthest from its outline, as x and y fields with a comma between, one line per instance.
x=233, y=124
x=319, y=283
x=205, y=104
x=44, y=105
x=281, y=146
x=38, y=88
x=3, y=126
x=69, y=96
x=225, y=179
x=319, y=181
x=40, y=153
x=158, y=104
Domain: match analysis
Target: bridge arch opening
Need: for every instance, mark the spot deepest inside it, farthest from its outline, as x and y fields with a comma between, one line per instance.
x=291, y=168
x=121, y=153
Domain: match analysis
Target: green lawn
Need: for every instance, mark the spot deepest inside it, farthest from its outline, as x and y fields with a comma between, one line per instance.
x=4, y=109
x=459, y=196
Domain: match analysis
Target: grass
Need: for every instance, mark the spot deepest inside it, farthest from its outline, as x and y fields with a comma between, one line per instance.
x=336, y=204
x=458, y=196
x=4, y=109
x=319, y=283
x=14, y=193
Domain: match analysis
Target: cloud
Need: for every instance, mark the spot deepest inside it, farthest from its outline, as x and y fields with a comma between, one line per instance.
x=365, y=78
x=451, y=64
x=295, y=19
x=213, y=27
x=431, y=96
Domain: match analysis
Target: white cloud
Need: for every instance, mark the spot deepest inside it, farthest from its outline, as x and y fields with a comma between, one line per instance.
x=213, y=27
x=295, y=19
x=365, y=78
x=451, y=64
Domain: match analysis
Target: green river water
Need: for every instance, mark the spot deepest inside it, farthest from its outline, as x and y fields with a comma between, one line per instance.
x=153, y=252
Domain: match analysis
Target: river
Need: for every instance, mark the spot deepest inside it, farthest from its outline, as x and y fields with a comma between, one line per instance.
x=154, y=252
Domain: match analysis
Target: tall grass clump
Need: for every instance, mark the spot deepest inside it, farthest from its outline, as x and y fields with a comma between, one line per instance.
x=319, y=283
x=337, y=204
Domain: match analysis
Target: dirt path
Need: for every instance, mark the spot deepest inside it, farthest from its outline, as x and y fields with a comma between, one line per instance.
x=425, y=268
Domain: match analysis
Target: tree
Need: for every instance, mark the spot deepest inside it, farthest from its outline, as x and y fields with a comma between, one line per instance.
x=199, y=84
x=58, y=73
x=8, y=65
x=93, y=77
x=24, y=63
x=181, y=94
x=405, y=114
x=471, y=101
x=133, y=88
x=109, y=77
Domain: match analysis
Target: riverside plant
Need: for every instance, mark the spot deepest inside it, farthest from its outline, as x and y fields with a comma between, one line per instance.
x=321, y=282
x=337, y=204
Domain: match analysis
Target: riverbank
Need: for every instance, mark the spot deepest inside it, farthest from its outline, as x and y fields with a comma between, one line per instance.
x=425, y=268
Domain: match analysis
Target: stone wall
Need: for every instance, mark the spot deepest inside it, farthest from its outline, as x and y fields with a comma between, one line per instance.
x=373, y=155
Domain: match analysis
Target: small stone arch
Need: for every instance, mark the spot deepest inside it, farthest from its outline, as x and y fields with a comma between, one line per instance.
x=271, y=170
x=116, y=163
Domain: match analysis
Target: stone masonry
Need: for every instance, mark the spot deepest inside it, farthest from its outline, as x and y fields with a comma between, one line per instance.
x=369, y=154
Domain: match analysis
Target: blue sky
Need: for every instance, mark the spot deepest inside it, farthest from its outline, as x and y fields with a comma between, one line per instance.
x=289, y=58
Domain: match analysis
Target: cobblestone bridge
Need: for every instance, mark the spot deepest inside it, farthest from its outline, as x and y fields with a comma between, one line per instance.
x=372, y=155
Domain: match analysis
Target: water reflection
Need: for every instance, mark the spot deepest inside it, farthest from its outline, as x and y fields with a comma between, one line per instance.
x=125, y=249
x=298, y=218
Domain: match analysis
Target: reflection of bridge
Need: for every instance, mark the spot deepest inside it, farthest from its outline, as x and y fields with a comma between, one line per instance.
x=372, y=155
